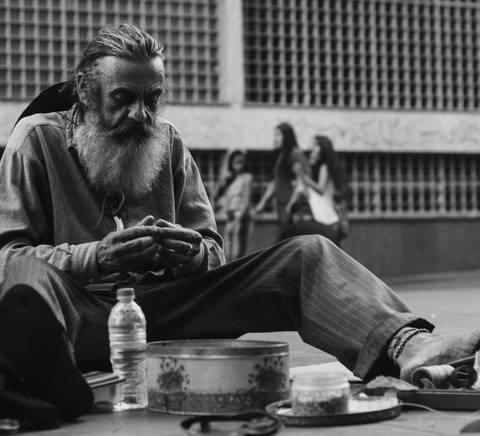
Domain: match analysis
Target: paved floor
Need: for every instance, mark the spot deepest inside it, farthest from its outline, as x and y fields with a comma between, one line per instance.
x=452, y=302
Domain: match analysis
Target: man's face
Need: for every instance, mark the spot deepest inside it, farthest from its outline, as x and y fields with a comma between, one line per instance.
x=119, y=145
x=129, y=95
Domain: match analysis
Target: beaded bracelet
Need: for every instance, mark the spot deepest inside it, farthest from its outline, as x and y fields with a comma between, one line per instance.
x=400, y=348
x=397, y=339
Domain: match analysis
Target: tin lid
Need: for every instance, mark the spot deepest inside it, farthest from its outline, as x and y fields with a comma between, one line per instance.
x=216, y=348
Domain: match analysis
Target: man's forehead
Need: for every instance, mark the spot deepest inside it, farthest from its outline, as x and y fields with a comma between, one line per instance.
x=116, y=70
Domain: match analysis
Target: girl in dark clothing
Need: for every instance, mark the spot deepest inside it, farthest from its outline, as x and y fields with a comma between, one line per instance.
x=324, y=154
x=286, y=155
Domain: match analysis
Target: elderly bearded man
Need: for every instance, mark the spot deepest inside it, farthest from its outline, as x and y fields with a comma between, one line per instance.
x=107, y=194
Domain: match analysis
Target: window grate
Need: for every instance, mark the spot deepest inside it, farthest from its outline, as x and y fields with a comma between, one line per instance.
x=41, y=40
x=381, y=54
x=413, y=185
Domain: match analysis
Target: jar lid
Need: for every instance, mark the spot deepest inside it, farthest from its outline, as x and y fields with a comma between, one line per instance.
x=320, y=380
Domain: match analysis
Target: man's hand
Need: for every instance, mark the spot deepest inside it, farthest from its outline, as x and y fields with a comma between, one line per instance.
x=131, y=249
x=178, y=245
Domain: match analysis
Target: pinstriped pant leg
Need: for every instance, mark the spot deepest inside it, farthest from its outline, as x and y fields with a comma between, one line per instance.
x=345, y=309
x=305, y=283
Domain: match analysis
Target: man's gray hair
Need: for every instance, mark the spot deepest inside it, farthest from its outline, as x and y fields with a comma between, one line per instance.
x=125, y=41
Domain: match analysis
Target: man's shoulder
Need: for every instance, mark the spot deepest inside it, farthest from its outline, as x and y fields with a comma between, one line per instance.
x=51, y=119
x=175, y=139
x=27, y=125
x=167, y=124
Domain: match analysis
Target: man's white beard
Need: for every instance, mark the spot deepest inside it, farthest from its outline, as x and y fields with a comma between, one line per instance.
x=128, y=165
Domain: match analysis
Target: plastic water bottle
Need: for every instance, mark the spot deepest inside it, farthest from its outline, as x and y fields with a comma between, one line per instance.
x=128, y=344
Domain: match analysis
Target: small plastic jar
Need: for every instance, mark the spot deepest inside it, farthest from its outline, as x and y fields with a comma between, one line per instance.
x=316, y=394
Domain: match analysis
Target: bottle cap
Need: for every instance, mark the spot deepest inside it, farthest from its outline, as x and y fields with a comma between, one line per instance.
x=125, y=292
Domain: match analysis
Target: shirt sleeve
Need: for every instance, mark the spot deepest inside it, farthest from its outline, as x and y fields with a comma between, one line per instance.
x=194, y=210
x=25, y=227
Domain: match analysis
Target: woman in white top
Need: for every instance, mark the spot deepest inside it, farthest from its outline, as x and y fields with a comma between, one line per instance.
x=234, y=194
x=328, y=179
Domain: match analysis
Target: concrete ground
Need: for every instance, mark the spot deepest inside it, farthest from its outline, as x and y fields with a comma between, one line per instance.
x=451, y=301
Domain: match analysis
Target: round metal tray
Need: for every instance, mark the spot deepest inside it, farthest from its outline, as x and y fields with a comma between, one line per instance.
x=371, y=409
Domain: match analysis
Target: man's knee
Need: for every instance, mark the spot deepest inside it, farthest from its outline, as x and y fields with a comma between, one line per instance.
x=25, y=270
x=311, y=244
x=23, y=266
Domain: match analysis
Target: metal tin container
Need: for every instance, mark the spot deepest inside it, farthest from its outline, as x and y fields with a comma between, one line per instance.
x=203, y=377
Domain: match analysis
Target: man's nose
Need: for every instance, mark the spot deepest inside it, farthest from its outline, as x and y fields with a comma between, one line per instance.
x=137, y=111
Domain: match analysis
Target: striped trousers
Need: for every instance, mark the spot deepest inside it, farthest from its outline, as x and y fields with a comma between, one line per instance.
x=305, y=284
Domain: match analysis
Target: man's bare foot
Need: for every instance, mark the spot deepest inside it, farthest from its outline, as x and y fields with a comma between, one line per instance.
x=432, y=349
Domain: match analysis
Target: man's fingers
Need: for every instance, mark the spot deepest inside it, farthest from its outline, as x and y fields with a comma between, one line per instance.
x=181, y=234
x=135, y=245
x=181, y=247
x=149, y=220
x=137, y=232
x=162, y=223
x=139, y=259
x=151, y=244
x=174, y=258
x=175, y=231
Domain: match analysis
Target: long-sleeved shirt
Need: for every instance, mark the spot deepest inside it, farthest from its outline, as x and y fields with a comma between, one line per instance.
x=49, y=210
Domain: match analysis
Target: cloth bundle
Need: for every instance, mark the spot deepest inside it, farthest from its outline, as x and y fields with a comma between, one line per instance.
x=18, y=409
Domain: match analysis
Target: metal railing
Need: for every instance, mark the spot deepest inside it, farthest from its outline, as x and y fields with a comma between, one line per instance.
x=384, y=185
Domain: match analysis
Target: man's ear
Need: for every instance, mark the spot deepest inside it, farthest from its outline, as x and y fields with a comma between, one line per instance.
x=81, y=85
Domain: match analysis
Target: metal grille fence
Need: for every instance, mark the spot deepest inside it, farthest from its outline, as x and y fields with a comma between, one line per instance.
x=384, y=185
x=41, y=39
x=414, y=185
x=402, y=54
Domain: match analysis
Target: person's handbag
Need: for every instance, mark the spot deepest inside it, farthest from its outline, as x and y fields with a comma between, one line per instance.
x=323, y=210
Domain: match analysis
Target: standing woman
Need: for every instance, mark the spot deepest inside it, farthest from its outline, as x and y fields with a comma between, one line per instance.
x=328, y=178
x=234, y=193
x=287, y=154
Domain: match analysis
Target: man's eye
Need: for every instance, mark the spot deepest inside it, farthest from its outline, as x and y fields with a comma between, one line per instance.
x=122, y=97
x=152, y=100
